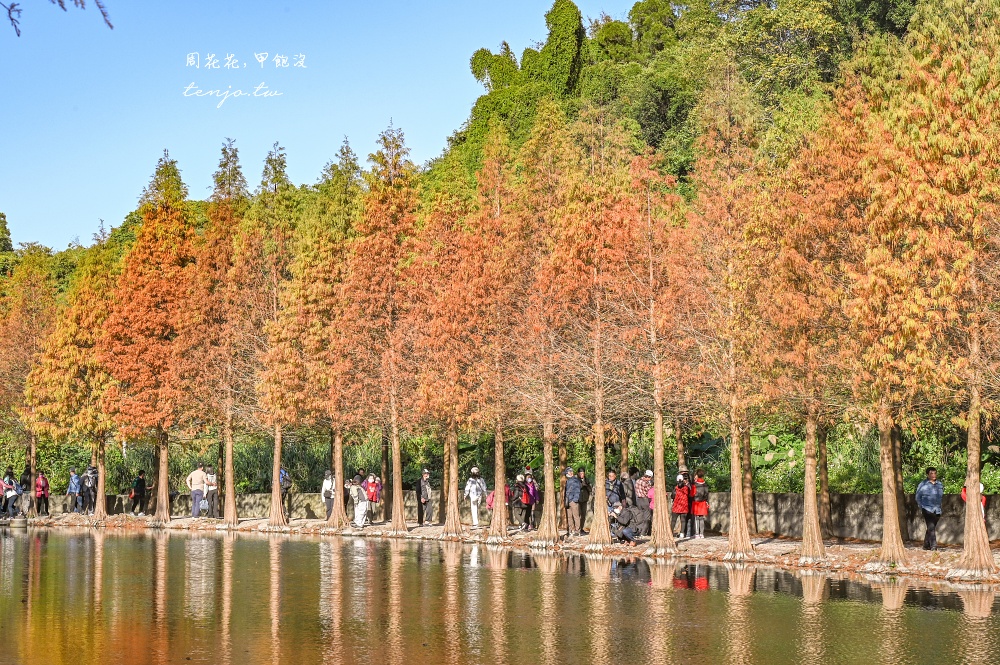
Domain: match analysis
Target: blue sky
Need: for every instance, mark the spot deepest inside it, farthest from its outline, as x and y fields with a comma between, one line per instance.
x=88, y=110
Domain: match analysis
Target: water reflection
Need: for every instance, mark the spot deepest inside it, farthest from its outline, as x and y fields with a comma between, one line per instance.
x=172, y=597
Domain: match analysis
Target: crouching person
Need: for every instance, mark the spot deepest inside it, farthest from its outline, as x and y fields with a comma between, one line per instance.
x=623, y=524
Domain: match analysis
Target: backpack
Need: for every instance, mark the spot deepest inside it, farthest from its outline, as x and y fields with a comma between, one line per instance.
x=489, y=500
x=701, y=492
x=88, y=480
x=285, y=481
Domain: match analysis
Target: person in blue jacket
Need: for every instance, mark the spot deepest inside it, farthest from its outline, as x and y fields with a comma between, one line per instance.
x=929, y=494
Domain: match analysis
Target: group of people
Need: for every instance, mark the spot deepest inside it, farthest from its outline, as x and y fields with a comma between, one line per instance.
x=17, y=493
x=690, y=504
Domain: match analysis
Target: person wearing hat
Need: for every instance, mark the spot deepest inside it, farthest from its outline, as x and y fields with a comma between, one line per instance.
x=572, y=504
x=475, y=492
x=360, y=500
x=424, y=498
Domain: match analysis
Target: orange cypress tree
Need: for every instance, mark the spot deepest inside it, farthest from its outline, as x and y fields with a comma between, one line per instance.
x=212, y=334
x=264, y=254
x=376, y=293
x=65, y=391
x=27, y=313
x=138, y=345
x=724, y=228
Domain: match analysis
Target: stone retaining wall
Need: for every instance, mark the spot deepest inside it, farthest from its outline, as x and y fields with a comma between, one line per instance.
x=857, y=516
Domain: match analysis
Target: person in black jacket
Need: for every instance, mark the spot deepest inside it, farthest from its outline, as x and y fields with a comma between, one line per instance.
x=585, y=492
x=572, y=503
x=628, y=485
x=614, y=490
x=28, y=489
x=623, y=524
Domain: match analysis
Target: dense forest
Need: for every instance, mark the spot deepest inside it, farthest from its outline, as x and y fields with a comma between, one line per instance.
x=756, y=236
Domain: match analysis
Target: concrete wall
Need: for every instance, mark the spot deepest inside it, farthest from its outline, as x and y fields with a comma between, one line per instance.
x=857, y=516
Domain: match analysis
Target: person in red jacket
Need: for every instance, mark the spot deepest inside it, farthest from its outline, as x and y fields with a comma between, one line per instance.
x=981, y=496
x=682, y=494
x=700, y=507
x=42, y=494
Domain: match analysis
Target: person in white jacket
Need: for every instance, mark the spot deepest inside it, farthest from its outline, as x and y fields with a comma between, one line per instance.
x=327, y=492
x=475, y=492
x=360, y=500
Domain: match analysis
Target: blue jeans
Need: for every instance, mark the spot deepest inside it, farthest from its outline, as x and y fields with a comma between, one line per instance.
x=196, y=496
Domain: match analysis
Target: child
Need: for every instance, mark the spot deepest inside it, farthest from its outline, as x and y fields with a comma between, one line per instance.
x=700, y=509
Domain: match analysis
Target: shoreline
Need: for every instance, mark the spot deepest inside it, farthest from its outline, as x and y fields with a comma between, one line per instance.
x=777, y=552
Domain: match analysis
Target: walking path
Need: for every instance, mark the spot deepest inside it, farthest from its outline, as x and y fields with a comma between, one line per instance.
x=842, y=557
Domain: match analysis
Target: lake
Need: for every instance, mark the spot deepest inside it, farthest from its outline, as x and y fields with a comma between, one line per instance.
x=96, y=596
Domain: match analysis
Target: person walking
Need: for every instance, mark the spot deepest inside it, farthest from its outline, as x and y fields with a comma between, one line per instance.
x=27, y=493
x=73, y=490
x=11, y=491
x=572, y=504
x=360, y=499
x=139, y=494
x=475, y=492
x=642, y=486
x=699, y=507
x=585, y=492
x=196, y=484
x=929, y=494
x=212, y=492
x=680, y=505
x=518, y=504
x=424, y=507
x=327, y=491
x=285, y=481
x=42, y=494
x=530, y=501
x=89, y=490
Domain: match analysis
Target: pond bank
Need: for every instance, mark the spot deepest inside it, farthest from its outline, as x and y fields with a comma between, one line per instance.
x=842, y=556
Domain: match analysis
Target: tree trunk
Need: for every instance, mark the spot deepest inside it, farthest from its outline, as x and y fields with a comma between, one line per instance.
x=563, y=457
x=740, y=546
x=453, y=519
x=229, y=513
x=748, y=507
x=812, y=537
x=101, y=500
x=445, y=475
x=825, y=512
x=498, y=521
x=398, y=525
x=600, y=528
x=626, y=435
x=338, y=516
x=548, y=529
x=162, y=514
x=277, y=514
x=32, y=455
x=386, y=482
x=662, y=541
x=893, y=550
x=679, y=439
x=977, y=558
x=897, y=470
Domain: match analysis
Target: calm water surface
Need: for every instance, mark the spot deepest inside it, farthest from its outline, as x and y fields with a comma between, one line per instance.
x=111, y=597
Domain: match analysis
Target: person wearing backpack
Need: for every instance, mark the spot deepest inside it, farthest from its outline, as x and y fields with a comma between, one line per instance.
x=42, y=494
x=700, y=507
x=285, y=481
x=530, y=501
x=212, y=492
x=360, y=499
x=327, y=491
x=475, y=490
x=89, y=490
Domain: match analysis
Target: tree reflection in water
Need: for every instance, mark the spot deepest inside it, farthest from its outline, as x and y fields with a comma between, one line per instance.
x=330, y=600
x=741, y=586
x=979, y=641
x=451, y=556
x=891, y=625
x=549, y=565
x=814, y=593
x=396, y=548
x=226, y=627
x=497, y=561
x=600, y=617
x=161, y=646
x=274, y=556
x=661, y=631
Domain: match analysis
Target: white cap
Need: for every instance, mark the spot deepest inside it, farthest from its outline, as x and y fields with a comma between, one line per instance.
x=679, y=477
x=520, y=478
x=474, y=469
x=649, y=473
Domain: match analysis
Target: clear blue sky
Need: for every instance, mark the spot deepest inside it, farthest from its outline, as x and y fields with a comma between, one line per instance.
x=87, y=111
